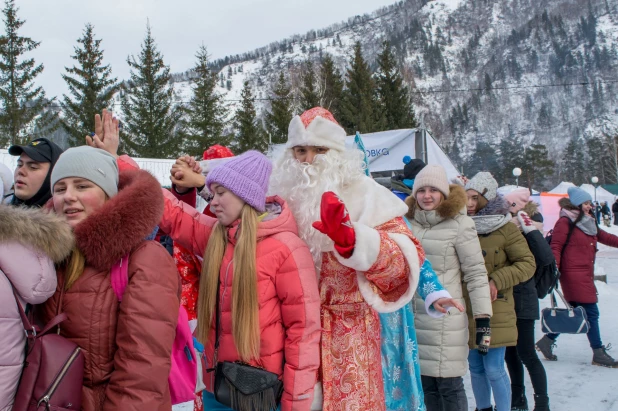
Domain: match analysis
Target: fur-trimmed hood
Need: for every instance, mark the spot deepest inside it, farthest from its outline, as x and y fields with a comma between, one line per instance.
x=566, y=204
x=455, y=204
x=497, y=206
x=531, y=208
x=34, y=228
x=123, y=222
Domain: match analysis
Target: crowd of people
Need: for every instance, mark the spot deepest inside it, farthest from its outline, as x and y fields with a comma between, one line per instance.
x=305, y=284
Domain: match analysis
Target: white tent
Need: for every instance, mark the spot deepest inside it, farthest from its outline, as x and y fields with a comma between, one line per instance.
x=385, y=150
x=600, y=195
x=562, y=188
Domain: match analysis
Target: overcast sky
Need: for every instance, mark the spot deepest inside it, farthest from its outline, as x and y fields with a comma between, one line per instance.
x=179, y=27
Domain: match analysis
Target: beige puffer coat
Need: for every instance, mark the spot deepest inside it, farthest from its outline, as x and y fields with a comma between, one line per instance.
x=452, y=246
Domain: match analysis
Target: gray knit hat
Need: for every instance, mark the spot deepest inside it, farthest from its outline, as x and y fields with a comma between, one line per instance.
x=485, y=184
x=432, y=175
x=90, y=163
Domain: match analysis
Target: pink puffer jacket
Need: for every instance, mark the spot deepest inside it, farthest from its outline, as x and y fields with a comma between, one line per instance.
x=289, y=300
x=29, y=241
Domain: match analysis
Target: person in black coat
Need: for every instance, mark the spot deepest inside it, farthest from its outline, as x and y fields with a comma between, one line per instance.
x=530, y=221
x=615, y=211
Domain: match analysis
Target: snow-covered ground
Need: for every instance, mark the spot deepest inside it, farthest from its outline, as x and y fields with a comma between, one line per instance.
x=574, y=383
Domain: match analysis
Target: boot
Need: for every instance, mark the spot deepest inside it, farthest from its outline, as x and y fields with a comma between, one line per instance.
x=545, y=345
x=518, y=399
x=541, y=403
x=602, y=358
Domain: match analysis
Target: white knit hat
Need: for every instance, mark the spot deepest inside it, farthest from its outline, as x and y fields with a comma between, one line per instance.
x=485, y=184
x=431, y=175
x=316, y=127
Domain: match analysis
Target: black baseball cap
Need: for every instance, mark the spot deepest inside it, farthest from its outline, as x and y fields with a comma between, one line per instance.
x=41, y=150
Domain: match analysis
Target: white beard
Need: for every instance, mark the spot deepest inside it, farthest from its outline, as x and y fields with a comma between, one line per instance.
x=301, y=185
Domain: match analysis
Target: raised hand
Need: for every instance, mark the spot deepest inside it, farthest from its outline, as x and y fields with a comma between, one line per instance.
x=186, y=173
x=335, y=223
x=107, y=133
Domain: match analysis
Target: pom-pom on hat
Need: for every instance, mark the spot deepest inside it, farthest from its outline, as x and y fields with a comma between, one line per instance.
x=485, y=184
x=217, y=151
x=432, y=175
x=518, y=199
x=246, y=176
x=316, y=127
x=578, y=196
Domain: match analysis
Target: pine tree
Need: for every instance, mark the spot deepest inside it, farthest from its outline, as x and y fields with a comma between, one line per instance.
x=359, y=108
x=150, y=121
x=280, y=114
x=91, y=85
x=249, y=136
x=205, y=112
x=333, y=86
x=512, y=155
x=537, y=167
x=25, y=112
x=394, y=98
x=483, y=158
x=573, y=163
x=309, y=95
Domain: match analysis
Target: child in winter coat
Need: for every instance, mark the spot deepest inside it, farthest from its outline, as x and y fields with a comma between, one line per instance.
x=528, y=219
x=30, y=242
x=574, y=244
x=127, y=345
x=508, y=261
x=258, y=277
x=437, y=218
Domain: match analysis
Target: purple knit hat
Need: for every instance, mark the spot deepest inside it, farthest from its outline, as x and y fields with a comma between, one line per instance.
x=246, y=176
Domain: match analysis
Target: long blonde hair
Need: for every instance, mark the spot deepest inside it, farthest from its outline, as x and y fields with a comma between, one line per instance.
x=245, y=313
x=74, y=267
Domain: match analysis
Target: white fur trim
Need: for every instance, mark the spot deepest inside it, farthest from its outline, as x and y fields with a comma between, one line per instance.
x=410, y=253
x=370, y=203
x=432, y=298
x=320, y=132
x=366, y=249
x=318, y=398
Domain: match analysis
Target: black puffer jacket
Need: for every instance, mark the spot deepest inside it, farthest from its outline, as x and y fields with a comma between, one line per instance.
x=524, y=294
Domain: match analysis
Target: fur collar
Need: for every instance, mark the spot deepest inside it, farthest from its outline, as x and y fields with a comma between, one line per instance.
x=34, y=228
x=531, y=208
x=455, y=204
x=123, y=222
x=497, y=206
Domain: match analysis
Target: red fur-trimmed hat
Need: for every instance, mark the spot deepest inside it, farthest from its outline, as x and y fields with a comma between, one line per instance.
x=316, y=127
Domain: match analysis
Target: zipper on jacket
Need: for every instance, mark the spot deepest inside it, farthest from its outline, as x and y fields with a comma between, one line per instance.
x=65, y=368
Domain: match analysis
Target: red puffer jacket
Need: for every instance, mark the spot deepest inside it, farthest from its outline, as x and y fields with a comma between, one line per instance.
x=127, y=346
x=576, y=263
x=289, y=301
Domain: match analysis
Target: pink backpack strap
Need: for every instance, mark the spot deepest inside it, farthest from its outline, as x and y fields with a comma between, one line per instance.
x=120, y=276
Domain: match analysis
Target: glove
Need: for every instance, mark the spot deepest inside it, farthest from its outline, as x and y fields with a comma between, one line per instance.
x=483, y=335
x=335, y=223
x=527, y=225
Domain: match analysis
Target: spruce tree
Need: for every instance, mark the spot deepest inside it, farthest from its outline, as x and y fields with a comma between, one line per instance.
x=309, y=94
x=249, y=135
x=333, y=86
x=394, y=98
x=24, y=114
x=538, y=167
x=359, y=108
x=280, y=114
x=573, y=163
x=205, y=112
x=91, y=86
x=512, y=155
x=150, y=120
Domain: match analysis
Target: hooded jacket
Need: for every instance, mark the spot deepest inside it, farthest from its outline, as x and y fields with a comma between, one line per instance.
x=30, y=242
x=451, y=244
x=289, y=301
x=127, y=346
x=576, y=260
x=508, y=261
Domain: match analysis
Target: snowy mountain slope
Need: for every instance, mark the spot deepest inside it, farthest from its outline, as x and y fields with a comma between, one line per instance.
x=534, y=55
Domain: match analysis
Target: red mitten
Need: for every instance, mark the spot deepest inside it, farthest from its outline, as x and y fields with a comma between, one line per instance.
x=336, y=224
